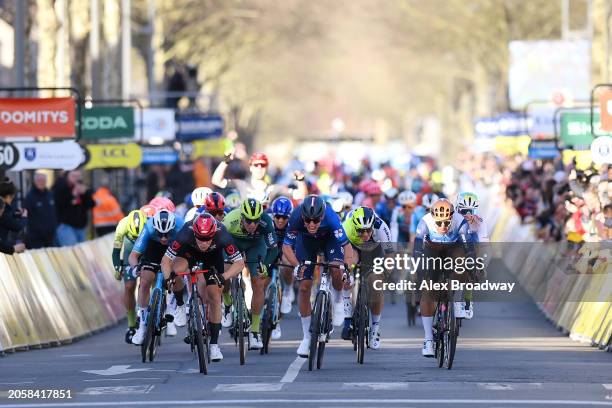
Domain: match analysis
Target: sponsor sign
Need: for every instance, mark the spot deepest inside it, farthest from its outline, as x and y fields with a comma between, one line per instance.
x=52, y=117
x=209, y=148
x=66, y=155
x=542, y=149
x=159, y=155
x=127, y=155
x=505, y=124
x=108, y=122
x=576, y=129
x=541, y=121
x=158, y=125
x=195, y=126
x=605, y=107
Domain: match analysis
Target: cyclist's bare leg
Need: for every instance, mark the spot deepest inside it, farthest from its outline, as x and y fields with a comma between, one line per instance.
x=129, y=298
x=144, y=290
x=259, y=287
x=213, y=300
x=304, y=298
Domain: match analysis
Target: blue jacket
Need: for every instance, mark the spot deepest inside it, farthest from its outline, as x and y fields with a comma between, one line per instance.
x=42, y=216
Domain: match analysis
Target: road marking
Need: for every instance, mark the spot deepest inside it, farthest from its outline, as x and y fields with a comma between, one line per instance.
x=495, y=386
x=128, y=389
x=607, y=386
x=76, y=355
x=364, y=401
x=117, y=370
x=16, y=383
x=377, y=386
x=249, y=387
x=126, y=379
x=293, y=370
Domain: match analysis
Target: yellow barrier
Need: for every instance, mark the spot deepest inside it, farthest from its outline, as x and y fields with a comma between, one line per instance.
x=546, y=273
x=55, y=295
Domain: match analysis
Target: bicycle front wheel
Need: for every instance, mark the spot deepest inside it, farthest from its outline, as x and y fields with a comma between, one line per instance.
x=199, y=338
x=452, y=334
x=148, y=341
x=240, y=313
x=315, y=328
x=362, y=315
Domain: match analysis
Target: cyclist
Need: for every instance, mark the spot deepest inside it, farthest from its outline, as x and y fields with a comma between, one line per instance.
x=281, y=211
x=366, y=232
x=466, y=205
x=385, y=209
x=342, y=204
x=401, y=217
x=198, y=197
x=214, y=204
x=126, y=233
x=258, y=182
x=314, y=227
x=204, y=240
x=159, y=231
x=253, y=232
x=160, y=203
x=148, y=210
x=232, y=200
x=419, y=212
x=437, y=236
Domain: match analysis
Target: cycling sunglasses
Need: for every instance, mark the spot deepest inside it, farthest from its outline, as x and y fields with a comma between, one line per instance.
x=405, y=206
x=363, y=230
x=258, y=165
x=214, y=213
x=203, y=239
x=281, y=217
x=466, y=211
x=246, y=220
x=312, y=220
x=163, y=236
x=446, y=223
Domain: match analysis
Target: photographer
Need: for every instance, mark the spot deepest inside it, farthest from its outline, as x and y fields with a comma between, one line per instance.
x=73, y=201
x=11, y=221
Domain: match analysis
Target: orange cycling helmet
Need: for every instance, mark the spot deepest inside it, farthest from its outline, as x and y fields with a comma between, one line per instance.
x=148, y=209
x=442, y=210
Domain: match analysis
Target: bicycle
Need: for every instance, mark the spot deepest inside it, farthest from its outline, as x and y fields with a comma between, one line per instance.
x=241, y=317
x=197, y=324
x=271, y=311
x=155, y=318
x=321, y=322
x=361, y=317
x=445, y=328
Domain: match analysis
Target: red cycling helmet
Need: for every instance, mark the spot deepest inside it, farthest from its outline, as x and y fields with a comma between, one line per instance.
x=163, y=203
x=214, y=202
x=149, y=210
x=373, y=189
x=204, y=226
x=259, y=158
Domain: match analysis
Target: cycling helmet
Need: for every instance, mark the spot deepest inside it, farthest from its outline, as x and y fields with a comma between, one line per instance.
x=136, y=221
x=407, y=197
x=163, y=203
x=346, y=196
x=214, y=202
x=338, y=205
x=373, y=189
x=313, y=206
x=251, y=209
x=363, y=218
x=148, y=210
x=198, y=196
x=467, y=200
x=282, y=206
x=259, y=157
x=391, y=193
x=164, y=221
x=233, y=200
x=429, y=199
x=204, y=226
x=442, y=210
x=190, y=215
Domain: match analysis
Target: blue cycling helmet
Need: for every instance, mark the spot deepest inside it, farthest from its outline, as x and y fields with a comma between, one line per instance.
x=282, y=206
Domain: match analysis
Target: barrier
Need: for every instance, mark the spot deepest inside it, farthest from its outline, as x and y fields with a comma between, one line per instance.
x=56, y=295
x=545, y=274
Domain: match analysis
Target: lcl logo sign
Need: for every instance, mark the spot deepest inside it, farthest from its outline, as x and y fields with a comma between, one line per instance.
x=115, y=152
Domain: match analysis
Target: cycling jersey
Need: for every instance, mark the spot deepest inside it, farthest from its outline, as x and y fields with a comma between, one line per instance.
x=478, y=231
x=400, y=226
x=330, y=227
x=148, y=243
x=381, y=233
x=247, y=190
x=418, y=214
x=427, y=230
x=121, y=232
x=384, y=212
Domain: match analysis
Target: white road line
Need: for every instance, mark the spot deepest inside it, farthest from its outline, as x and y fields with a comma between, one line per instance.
x=607, y=386
x=368, y=402
x=126, y=379
x=495, y=386
x=293, y=370
x=75, y=355
x=377, y=386
x=129, y=389
x=255, y=387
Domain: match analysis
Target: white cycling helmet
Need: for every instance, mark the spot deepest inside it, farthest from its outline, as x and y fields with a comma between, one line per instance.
x=391, y=193
x=346, y=196
x=467, y=201
x=164, y=221
x=199, y=195
x=191, y=214
x=338, y=205
x=407, y=197
x=429, y=199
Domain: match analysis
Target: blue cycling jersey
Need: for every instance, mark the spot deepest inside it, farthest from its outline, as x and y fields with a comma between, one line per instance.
x=150, y=234
x=330, y=227
x=417, y=214
x=427, y=230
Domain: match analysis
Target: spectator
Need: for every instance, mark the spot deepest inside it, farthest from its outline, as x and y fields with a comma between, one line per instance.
x=5, y=247
x=73, y=201
x=107, y=212
x=12, y=222
x=42, y=217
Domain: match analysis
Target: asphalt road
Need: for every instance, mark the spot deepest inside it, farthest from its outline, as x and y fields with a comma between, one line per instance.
x=507, y=356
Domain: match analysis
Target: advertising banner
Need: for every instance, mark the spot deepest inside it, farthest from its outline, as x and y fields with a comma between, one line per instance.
x=541, y=121
x=127, y=155
x=576, y=129
x=195, y=126
x=52, y=117
x=209, y=148
x=158, y=125
x=159, y=155
x=66, y=155
x=108, y=122
x=605, y=107
x=542, y=149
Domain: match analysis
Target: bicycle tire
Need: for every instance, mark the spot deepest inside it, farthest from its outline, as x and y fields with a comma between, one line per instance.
x=440, y=318
x=144, y=347
x=156, y=335
x=240, y=315
x=199, y=339
x=315, y=328
x=266, y=330
x=361, y=326
x=452, y=335
x=325, y=323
